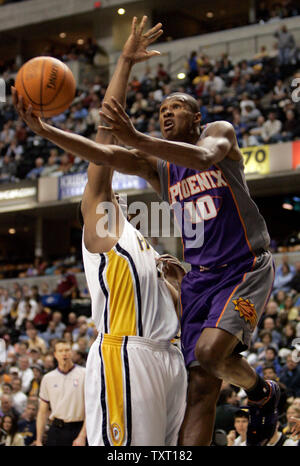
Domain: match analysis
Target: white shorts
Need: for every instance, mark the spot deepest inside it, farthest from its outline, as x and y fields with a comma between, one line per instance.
x=135, y=392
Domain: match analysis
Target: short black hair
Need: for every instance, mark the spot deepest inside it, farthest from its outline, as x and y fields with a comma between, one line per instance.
x=241, y=413
x=187, y=98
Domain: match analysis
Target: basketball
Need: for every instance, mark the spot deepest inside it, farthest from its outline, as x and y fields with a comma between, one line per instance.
x=46, y=84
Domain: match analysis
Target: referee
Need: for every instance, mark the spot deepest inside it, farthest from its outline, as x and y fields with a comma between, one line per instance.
x=62, y=401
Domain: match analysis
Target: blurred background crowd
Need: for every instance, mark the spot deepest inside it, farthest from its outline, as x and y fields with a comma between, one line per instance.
x=254, y=95
x=33, y=318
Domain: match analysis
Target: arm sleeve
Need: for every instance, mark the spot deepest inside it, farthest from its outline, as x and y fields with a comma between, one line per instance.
x=162, y=169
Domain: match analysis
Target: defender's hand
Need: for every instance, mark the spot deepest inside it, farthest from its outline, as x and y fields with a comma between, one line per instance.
x=172, y=268
x=135, y=48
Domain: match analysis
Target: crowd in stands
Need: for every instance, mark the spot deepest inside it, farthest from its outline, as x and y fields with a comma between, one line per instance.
x=275, y=355
x=254, y=95
x=33, y=318
x=266, y=13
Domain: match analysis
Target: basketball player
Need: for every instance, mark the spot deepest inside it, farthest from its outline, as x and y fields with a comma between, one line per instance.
x=136, y=384
x=224, y=295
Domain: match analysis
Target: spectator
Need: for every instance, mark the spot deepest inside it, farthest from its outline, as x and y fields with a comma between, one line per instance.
x=162, y=76
x=57, y=319
x=291, y=310
x=295, y=282
x=192, y=66
x=292, y=412
x=34, y=341
x=48, y=362
x=290, y=376
x=51, y=332
x=213, y=83
x=19, y=398
x=271, y=129
x=42, y=318
x=34, y=388
x=6, y=407
x=26, y=373
x=249, y=112
x=263, y=342
x=281, y=440
x=241, y=421
x=27, y=311
x=270, y=358
x=27, y=424
x=67, y=285
x=10, y=437
x=279, y=92
x=286, y=45
x=228, y=404
x=269, y=324
x=283, y=277
x=37, y=171
x=288, y=335
x=82, y=329
x=262, y=12
x=290, y=129
x=52, y=165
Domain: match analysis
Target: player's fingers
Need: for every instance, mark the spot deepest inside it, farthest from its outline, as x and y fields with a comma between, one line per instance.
x=111, y=109
x=119, y=109
x=155, y=37
x=153, y=53
x=28, y=113
x=106, y=128
x=106, y=117
x=142, y=25
x=153, y=30
x=133, y=25
x=20, y=106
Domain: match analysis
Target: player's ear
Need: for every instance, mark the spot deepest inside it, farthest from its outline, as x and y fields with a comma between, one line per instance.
x=197, y=117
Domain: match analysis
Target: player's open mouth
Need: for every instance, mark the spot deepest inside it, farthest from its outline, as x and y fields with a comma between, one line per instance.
x=168, y=124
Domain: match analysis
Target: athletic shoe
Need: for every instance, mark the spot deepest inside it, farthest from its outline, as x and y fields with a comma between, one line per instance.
x=263, y=417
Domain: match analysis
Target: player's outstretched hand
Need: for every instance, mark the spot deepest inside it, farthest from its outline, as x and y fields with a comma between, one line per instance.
x=172, y=267
x=119, y=123
x=34, y=123
x=135, y=48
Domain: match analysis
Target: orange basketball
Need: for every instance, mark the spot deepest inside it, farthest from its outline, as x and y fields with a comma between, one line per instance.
x=47, y=84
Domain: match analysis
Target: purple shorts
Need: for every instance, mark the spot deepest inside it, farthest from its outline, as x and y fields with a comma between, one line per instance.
x=232, y=298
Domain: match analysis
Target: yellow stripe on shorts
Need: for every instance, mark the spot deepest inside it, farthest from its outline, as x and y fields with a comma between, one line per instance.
x=122, y=309
x=115, y=391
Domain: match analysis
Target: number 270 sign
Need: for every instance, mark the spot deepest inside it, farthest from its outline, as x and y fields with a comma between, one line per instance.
x=256, y=159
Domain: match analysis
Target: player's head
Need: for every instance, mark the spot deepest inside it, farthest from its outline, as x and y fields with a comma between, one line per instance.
x=180, y=117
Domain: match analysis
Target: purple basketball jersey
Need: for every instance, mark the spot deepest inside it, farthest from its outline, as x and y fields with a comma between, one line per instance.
x=218, y=200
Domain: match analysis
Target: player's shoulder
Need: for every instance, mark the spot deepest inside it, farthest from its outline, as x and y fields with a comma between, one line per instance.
x=219, y=128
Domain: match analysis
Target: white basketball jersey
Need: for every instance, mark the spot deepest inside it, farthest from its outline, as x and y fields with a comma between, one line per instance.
x=127, y=296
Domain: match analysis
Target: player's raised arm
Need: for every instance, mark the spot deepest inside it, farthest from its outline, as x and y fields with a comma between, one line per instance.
x=178, y=124
x=119, y=158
